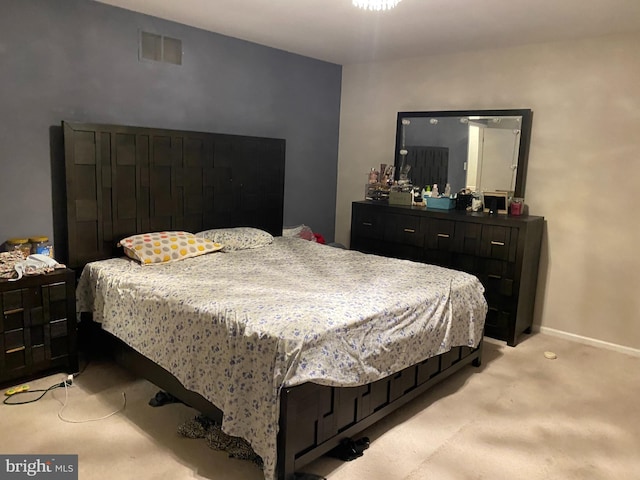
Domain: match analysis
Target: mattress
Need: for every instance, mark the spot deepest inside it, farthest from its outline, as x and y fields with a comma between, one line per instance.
x=236, y=327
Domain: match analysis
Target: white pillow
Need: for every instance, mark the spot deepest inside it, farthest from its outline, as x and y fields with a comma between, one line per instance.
x=237, y=238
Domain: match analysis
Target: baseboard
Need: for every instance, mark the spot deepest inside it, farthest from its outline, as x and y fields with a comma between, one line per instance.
x=588, y=341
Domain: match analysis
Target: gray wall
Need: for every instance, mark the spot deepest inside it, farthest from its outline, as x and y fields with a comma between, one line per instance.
x=77, y=60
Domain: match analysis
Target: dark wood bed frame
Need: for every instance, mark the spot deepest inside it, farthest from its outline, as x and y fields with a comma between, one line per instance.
x=123, y=180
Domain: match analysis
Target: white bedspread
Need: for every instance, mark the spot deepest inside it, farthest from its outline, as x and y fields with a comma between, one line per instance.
x=235, y=327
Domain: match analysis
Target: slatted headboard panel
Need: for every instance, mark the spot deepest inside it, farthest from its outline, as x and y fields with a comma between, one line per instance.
x=429, y=165
x=122, y=180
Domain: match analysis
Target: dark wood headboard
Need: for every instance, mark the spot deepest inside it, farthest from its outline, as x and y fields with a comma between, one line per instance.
x=429, y=165
x=122, y=180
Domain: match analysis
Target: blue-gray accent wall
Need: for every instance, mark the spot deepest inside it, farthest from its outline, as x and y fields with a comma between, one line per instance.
x=77, y=61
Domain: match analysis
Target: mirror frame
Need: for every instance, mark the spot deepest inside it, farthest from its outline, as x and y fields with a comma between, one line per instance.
x=525, y=135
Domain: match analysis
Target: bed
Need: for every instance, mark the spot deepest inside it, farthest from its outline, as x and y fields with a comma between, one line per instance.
x=294, y=345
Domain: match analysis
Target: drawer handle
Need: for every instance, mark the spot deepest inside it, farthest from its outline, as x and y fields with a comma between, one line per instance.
x=494, y=276
x=367, y=224
x=14, y=350
x=15, y=310
x=409, y=230
x=443, y=235
x=493, y=242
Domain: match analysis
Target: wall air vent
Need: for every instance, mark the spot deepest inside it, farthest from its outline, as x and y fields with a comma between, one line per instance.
x=160, y=48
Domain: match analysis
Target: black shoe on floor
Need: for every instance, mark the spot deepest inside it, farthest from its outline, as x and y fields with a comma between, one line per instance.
x=162, y=398
x=350, y=449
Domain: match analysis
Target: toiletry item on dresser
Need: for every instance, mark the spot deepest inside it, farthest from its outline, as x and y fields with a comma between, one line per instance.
x=426, y=193
x=516, y=207
x=447, y=190
x=434, y=190
x=373, y=176
x=386, y=174
x=476, y=203
x=41, y=246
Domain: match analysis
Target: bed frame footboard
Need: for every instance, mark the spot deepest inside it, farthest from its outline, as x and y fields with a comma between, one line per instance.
x=315, y=418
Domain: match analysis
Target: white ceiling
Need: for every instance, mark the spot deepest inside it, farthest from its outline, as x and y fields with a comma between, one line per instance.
x=337, y=32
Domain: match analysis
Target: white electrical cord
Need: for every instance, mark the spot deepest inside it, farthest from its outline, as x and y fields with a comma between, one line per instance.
x=64, y=405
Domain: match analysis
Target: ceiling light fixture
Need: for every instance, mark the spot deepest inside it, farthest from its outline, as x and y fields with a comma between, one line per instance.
x=376, y=4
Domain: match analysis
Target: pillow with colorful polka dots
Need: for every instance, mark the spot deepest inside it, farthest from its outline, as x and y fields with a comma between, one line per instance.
x=166, y=247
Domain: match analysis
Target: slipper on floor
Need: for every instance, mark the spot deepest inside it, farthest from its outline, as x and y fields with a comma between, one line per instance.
x=162, y=398
x=350, y=449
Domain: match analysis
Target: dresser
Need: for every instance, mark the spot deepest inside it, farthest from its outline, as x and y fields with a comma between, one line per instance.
x=37, y=326
x=502, y=251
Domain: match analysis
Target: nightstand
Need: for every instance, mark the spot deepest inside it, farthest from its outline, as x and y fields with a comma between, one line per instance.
x=38, y=326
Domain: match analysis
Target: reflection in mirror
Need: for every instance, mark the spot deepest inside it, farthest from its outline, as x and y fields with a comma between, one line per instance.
x=481, y=150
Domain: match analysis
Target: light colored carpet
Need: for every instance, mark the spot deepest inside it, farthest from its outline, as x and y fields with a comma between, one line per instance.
x=519, y=416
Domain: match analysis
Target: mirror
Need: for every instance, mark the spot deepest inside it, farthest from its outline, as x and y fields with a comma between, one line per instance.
x=481, y=150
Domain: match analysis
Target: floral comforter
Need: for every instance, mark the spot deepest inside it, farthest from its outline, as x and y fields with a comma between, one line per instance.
x=236, y=327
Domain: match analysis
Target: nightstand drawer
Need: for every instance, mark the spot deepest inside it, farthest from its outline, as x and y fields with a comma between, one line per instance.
x=13, y=339
x=58, y=328
x=15, y=360
x=56, y=291
x=12, y=319
x=11, y=299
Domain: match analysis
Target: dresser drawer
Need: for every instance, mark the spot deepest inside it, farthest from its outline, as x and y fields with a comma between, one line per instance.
x=498, y=323
x=440, y=234
x=497, y=276
x=466, y=263
x=499, y=242
x=439, y=241
x=403, y=229
x=468, y=238
x=367, y=223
